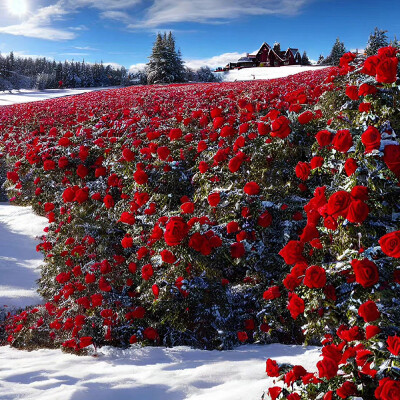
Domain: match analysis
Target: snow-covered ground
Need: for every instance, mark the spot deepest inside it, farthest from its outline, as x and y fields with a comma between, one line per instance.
x=27, y=96
x=246, y=74
x=19, y=261
x=149, y=373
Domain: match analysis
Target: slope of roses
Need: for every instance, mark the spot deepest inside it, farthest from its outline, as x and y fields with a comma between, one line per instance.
x=347, y=291
x=167, y=208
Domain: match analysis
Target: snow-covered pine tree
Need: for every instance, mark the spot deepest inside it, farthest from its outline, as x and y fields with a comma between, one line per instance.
x=304, y=59
x=338, y=49
x=377, y=39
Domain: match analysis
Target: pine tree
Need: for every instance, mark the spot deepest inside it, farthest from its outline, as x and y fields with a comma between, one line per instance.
x=321, y=59
x=337, y=51
x=377, y=39
x=304, y=59
x=165, y=63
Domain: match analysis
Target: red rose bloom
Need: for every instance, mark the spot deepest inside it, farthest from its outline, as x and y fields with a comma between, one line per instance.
x=292, y=252
x=150, y=333
x=390, y=244
x=265, y=219
x=280, y=127
x=393, y=343
x=242, y=336
x=366, y=89
x=324, y=138
x=342, y=141
x=371, y=331
x=305, y=117
x=388, y=389
x=237, y=250
x=272, y=368
x=167, y=256
x=350, y=166
x=272, y=293
x=338, y=204
x=371, y=139
x=386, y=70
x=175, y=231
x=214, y=199
x=315, y=277
x=251, y=188
x=327, y=368
x=392, y=158
x=347, y=389
x=366, y=272
x=370, y=64
x=302, y=170
x=369, y=311
x=352, y=92
x=163, y=153
x=316, y=162
x=295, y=306
x=140, y=177
x=358, y=212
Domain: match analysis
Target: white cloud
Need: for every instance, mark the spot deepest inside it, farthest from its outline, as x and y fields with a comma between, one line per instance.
x=136, y=68
x=103, y=4
x=212, y=11
x=38, y=24
x=116, y=16
x=88, y=48
x=216, y=61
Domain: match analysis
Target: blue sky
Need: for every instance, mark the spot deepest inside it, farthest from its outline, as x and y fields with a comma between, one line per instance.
x=211, y=32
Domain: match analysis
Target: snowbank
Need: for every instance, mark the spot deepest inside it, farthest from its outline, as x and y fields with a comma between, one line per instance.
x=19, y=261
x=149, y=373
x=27, y=96
x=247, y=74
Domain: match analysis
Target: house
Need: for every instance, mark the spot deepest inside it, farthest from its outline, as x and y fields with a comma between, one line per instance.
x=267, y=56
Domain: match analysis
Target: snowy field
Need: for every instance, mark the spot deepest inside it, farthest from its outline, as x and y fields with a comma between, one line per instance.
x=247, y=74
x=27, y=96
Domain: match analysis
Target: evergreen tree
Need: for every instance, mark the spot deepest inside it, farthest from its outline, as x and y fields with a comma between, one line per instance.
x=305, y=60
x=321, y=59
x=377, y=39
x=337, y=51
x=165, y=63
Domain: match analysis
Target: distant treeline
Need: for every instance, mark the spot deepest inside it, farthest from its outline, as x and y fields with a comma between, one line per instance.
x=41, y=73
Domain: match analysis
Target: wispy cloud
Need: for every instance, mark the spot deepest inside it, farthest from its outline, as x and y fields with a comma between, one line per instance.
x=88, y=48
x=38, y=24
x=117, y=16
x=214, y=11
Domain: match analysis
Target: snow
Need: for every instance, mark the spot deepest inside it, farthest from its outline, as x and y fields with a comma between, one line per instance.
x=27, y=96
x=147, y=373
x=19, y=261
x=246, y=74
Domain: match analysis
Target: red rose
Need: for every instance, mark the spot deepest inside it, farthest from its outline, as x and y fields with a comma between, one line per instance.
x=347, y=389
x=175, y=133
x=315, y=277
x=272, y=368
x=235, y=163
x=371, y=139
x=280, y=127
x=371, y=331
x=214, y=199
x=150, y=333
x=81, y=195
x=324, y=138
x=272, y=293
x=327, y=368
x=352, y=92
x=175, y=231
x=388, y=51
x=358, y=212
x=338, y=204
x=147, y=272
x=128, y=155
x=390, y=244
x=370, y=64
x=251, y=188
x=386, y=70
x=108, y=201
x=305, y=117
x=366, y=89
x=359, y=193
x=242, y=336
x=364, y=107
x=265, y=219
x=274, y=392
x=366, y=272
x=316, y=162
x=303, y=170
x=394, y=345
x=232, y=226
x=346, y=58
x=85, y=341
x=295, y=306
x=167, y=256
x=163, y=153
x=369, y=311
x=127, y=242
x=342, y=141
x=263, y=129
x=187, y=208
x=388, y=389
x=140, y=177
x=127, y=218
x=237, y=250
x=350, y=166
x=392, y=158
x=292, y=252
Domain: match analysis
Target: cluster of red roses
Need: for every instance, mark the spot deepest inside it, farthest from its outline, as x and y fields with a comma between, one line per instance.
x=159, y=199
x=353, y=235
